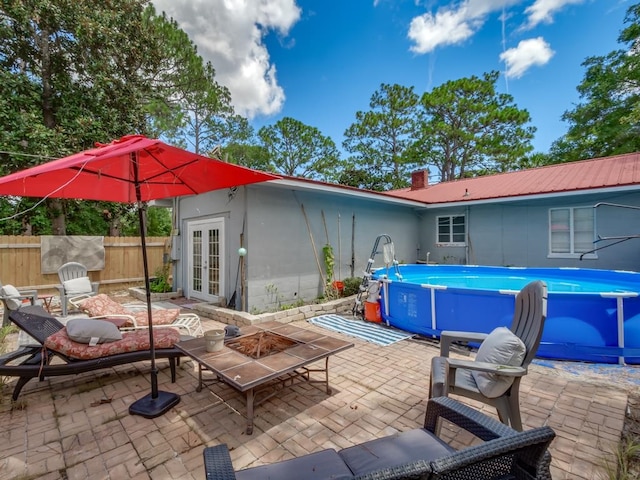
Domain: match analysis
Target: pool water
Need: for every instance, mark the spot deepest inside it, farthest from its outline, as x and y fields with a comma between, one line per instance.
x=592, y=315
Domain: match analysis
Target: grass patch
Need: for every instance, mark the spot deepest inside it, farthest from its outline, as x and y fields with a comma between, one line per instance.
x=626, y=457
x=4, y=345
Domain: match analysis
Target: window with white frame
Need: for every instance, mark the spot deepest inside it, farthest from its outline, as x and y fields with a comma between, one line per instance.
x=571, y=231
x=451, y=230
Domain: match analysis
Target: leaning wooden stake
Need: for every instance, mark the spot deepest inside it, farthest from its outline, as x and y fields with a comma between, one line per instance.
x=313, y=244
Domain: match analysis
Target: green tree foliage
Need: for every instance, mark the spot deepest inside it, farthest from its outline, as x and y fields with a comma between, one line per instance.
x=606, y=121
x=379, y=141
x=248, y=155
x=189, y=108
x=466, y=128
x=298, y=149
x=157, y=221
x=243, y=147
x=76, y=73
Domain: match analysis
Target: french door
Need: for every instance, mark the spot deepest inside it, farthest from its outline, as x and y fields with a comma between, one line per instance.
x=206, y=259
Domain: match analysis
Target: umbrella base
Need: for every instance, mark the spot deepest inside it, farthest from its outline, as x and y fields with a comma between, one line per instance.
x=150, y=407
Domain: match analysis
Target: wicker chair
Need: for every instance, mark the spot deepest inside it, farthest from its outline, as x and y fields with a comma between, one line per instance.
x=414, y=454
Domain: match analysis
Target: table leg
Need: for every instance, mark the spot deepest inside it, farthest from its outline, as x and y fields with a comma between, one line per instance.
x=199, y=387
x=326, y=373
x=250, y=400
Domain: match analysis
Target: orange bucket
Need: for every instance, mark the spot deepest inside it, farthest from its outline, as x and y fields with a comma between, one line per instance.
x=339, y=286
x=372, y=312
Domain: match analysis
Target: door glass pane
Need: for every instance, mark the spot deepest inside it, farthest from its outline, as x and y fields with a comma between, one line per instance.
x=196, y=260
x=214, y=262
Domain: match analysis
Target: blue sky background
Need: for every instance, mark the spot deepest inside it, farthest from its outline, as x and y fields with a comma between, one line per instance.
x=319, y=61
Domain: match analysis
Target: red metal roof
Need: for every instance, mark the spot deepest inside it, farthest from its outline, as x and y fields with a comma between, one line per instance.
x=598, y=173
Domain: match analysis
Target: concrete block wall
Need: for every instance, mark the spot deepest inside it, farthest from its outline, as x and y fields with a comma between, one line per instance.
x=340, y=306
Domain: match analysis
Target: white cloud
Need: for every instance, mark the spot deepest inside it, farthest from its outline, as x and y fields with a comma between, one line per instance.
x=451, y=25
x=534, y=51
x=229, y=33
x=457, y=22
x=542, y=10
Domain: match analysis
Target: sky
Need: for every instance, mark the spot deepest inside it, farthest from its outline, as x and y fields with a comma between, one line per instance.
x=320, y=61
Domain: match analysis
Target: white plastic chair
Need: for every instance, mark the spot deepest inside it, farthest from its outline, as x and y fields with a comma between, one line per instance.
x=74, y=283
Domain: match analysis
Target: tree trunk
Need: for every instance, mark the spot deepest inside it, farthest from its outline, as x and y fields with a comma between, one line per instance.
x=55, y=205
x=58, y=220
x=115, y=227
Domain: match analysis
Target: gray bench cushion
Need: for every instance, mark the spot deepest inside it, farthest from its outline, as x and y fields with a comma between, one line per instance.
x=326, y=464
x=394, y=450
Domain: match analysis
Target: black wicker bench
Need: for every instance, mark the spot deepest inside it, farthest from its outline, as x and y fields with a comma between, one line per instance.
x=416, y=454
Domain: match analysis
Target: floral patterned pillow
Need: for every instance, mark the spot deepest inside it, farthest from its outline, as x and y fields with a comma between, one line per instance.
x=131, y=342
x=159, y=316
x=101, y=304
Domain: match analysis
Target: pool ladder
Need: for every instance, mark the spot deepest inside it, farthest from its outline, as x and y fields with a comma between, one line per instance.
x=389, y=257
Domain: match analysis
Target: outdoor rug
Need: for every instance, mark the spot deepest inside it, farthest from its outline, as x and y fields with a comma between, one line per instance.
x=376, y=333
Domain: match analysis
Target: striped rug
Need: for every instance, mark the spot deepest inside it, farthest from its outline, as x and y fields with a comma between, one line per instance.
x=376, y=333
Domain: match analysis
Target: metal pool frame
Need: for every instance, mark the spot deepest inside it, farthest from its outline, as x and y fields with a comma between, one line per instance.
x=602, y=327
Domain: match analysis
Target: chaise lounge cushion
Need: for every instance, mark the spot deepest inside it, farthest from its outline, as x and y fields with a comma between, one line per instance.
x=86, y=330
x=131, y=342
x=501, y=347
x=160, y=316
x=101, y=305
x=322, y=465
x=394, y=450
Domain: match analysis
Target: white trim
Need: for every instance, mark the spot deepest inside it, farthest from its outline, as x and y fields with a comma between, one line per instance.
x=205, y=226
x=342, y=190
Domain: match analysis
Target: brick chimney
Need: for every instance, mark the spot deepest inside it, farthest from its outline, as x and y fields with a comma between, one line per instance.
x=419, y=179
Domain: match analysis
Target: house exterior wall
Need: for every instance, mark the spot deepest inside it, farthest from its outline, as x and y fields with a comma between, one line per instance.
x=224, y=204
x=517, y=233
x=280, y=265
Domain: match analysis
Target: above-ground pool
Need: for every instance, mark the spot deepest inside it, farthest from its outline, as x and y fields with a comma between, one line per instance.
x=592, y=315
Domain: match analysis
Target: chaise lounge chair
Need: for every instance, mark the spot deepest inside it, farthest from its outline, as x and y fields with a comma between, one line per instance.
x=101, y=306
x=55, y=354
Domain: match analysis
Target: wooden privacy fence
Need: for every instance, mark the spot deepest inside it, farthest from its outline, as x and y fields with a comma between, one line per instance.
x=20, y=262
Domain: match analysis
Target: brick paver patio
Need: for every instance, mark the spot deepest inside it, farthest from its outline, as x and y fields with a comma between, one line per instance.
x=79, y=427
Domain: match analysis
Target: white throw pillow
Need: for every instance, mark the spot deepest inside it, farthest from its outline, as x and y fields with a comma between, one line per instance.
x=85, y=330
x=12, y=297
x=77, y=286
x=501, y=347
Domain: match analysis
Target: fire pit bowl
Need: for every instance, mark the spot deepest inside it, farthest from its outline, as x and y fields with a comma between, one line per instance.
x=261, y=344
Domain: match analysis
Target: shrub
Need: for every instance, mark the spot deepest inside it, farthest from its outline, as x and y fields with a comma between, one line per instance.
x=351, y=286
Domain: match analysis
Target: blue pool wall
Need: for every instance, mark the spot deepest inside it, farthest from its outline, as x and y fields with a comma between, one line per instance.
x=580, y=325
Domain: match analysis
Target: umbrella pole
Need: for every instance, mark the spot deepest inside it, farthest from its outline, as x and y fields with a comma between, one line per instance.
x=156, y=403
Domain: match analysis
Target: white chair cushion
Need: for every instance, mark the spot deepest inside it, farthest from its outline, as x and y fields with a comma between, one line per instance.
x=9, y=291
x=501, y=347
x=77, y=286
x=84, y=330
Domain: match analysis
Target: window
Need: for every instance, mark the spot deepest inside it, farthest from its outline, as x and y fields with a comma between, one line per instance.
x=571, y=231
x=451, y=230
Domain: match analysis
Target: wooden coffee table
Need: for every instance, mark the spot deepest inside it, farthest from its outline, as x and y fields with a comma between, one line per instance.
x=251, y=375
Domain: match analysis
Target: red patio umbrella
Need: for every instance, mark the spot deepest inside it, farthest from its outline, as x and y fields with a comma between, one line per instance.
x=133, y=169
